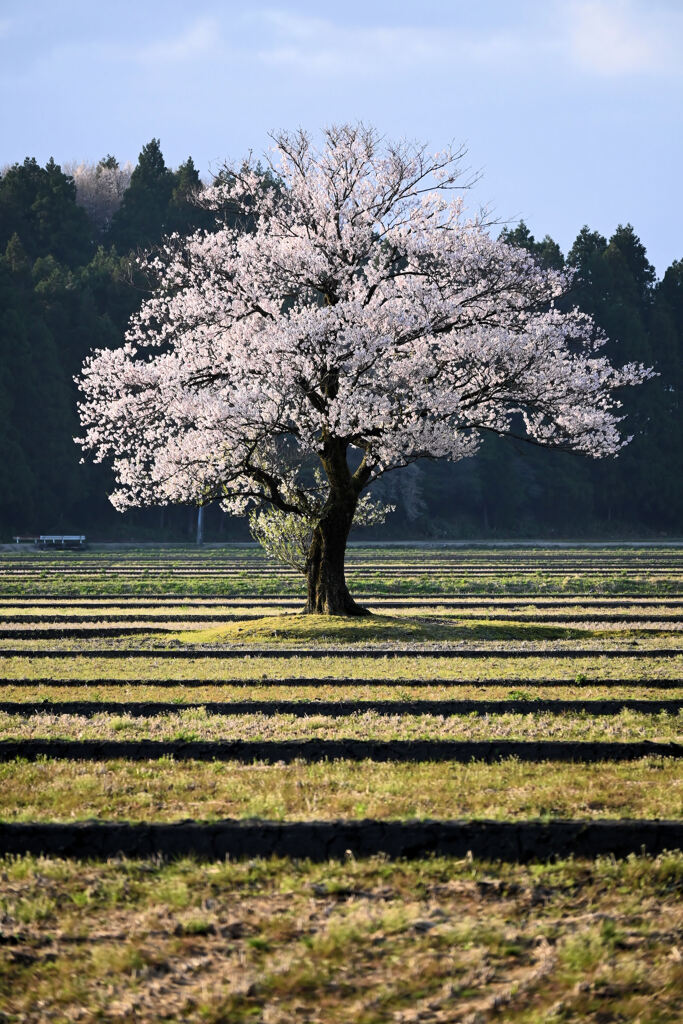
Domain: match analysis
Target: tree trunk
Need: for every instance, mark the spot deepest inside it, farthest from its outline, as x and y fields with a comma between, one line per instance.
x=327, y=590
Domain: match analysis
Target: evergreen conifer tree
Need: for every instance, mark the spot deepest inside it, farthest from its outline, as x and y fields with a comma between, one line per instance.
x=142, y=219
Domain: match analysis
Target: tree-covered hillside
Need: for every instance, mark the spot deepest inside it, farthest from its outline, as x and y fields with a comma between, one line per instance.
x=68, y=283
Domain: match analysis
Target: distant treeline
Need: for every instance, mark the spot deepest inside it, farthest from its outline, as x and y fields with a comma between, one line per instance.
x=68, y=284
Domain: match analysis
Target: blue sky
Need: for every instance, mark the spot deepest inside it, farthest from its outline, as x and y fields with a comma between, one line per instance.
x=571, y=109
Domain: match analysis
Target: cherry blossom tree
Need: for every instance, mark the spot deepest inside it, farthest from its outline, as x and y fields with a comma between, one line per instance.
x=100, y=188
x=362, y=322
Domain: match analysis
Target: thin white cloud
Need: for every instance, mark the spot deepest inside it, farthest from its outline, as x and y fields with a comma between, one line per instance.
x=199, y=43
x=195, y=41
x=618, y=37
x=590, y=38
x=319, y=45
x=596, y=37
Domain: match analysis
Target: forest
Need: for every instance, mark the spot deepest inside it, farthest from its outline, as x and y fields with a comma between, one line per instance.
x=69, y=282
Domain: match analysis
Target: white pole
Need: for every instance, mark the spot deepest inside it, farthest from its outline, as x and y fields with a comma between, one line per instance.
x=200, y=524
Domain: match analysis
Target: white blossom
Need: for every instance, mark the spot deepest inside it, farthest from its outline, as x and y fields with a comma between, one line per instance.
x=362, y=306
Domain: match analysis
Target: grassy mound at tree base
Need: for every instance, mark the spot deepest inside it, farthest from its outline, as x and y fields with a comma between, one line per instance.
x=297, y=628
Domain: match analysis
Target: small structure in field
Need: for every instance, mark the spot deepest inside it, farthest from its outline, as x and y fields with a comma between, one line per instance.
x=61, y=540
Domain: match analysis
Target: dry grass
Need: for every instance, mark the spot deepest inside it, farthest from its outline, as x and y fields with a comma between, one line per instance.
x=196, y=724
x=141, y=692
x=344, y=668
x=158, y=579
x=166, y=790
x=368, y=942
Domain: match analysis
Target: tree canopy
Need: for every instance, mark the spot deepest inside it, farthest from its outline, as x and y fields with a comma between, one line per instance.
x=363, y=323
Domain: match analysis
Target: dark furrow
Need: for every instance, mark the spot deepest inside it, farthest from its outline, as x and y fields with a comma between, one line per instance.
x=342, y=708
x=315, y=750
x=343, y=681
x=512, y=841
